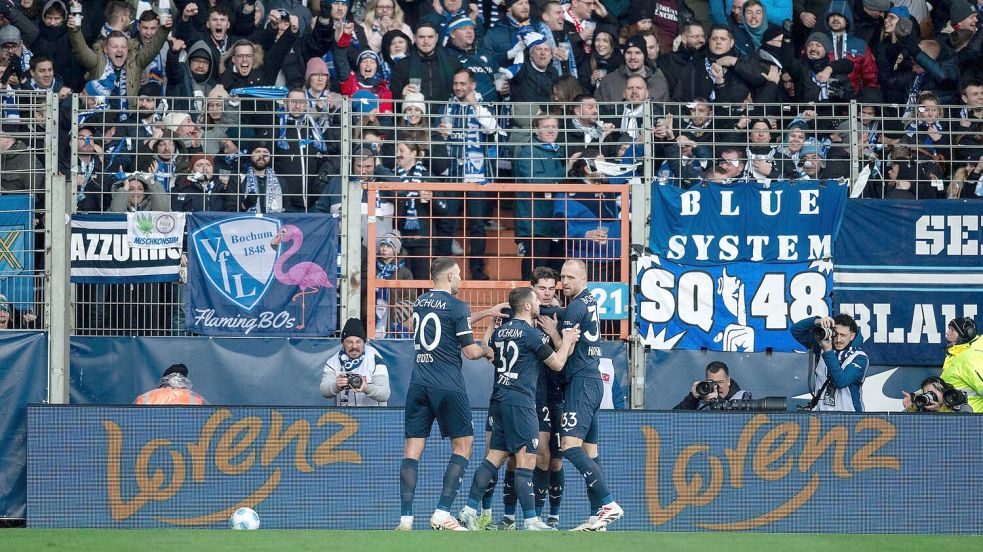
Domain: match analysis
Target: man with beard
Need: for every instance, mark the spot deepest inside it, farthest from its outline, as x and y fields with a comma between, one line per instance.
x=839, y=20
x=216, y=37
x=302, y=147
x=584, y=127
x=433, y=66
x=501, y=41
x=818, y=78
x=192, y=77
x=116, y=71
x=612, y=88
x=713, y=75
x=260, y=189
x=691, y=40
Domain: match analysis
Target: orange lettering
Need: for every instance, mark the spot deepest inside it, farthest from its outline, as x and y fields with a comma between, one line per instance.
x=228, y=447
x=275, y=442
x=657, y=514
x=325, y=453
x=768, y=451
x=864, y=459
x=199, y=451
x=735, y=456
x=689, y=491
x=815, y=447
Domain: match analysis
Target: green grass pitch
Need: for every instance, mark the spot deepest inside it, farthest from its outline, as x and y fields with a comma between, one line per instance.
x=102, y=540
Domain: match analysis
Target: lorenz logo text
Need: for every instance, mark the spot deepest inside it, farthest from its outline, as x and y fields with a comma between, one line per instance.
x=163, y=468
x=701, y=477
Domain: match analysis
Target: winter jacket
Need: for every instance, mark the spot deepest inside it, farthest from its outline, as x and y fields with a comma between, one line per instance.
x=612, y=87
x=864, y=74
x=537, y=163
x=21, y=171
x=777, y=10
x=137, y=60
x=963, y=369
x=436, y=73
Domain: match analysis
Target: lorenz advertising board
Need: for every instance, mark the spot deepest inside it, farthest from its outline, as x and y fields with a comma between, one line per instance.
x=139, y=467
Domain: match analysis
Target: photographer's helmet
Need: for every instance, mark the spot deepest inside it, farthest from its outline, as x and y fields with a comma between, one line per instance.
x=965, y=328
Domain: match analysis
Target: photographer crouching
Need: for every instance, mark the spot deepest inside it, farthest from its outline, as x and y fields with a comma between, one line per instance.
x=936, y=395
x=840, y=365
x=716, y=387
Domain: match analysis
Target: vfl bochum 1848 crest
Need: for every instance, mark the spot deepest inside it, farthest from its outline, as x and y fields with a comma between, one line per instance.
x=237, y=258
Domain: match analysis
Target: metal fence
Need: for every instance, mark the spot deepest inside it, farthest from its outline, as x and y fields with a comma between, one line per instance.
x=294, y=154
x=27, y=149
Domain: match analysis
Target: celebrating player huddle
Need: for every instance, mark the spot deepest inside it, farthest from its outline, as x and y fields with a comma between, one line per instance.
x=534, y=356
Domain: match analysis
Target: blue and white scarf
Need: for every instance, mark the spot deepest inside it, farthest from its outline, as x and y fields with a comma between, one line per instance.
x=314, y=138
x=165, y=174
x=414, y=174
x=464, y=142
x=348, y=364
x=112, y=85
x=274, y=193
x=557, y=64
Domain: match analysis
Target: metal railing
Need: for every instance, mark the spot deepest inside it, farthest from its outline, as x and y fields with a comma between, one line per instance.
x=506, y=259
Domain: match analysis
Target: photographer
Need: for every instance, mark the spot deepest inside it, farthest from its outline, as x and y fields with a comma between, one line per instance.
x=963, y=366
x=356, y=375
x=935, y=396
x=718, y=386
x=840, y=367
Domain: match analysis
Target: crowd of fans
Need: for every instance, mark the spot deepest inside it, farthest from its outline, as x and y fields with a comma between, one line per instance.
x=238, y=105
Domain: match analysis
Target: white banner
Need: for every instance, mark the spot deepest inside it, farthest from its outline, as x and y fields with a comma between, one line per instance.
x=155, y=230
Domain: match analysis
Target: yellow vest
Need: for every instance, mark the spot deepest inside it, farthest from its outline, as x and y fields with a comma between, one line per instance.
x=963, y=369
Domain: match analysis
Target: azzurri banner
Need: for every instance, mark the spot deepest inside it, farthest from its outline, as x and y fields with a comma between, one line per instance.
x=101, y=254
x=17, y=249
x=733, y=266
x=270, y=275
x=904, y=269
x=143, y=467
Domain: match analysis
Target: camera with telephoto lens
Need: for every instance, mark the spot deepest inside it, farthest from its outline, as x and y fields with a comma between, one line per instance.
x=923, y=400
x=767, y=404
x=954, y=398
x=355, y=381
x=704, y=388
x=820, y=333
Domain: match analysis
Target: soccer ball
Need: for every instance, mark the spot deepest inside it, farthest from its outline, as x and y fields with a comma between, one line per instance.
x=244, y=519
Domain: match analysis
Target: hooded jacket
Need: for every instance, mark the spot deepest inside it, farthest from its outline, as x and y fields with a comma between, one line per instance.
x=864, y=74
x=182, y=83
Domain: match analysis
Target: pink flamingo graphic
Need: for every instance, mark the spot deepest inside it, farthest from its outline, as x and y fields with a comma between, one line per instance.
x=307, y=275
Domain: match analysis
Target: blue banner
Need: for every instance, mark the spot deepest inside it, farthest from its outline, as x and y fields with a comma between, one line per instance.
x=733, y=267
x=305, y=468
x=216, y=368
x=17, y=249
x=23, y=380
x=270, y=275
x=904, y=269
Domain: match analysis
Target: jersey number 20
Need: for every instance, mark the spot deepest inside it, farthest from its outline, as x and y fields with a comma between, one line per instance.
x=420, y=331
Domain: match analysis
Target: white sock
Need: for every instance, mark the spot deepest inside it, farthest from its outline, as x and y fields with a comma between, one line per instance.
x=440, y=515
x=406, y=519
x=486, y=512
x=470, y=510
x=531, y=520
